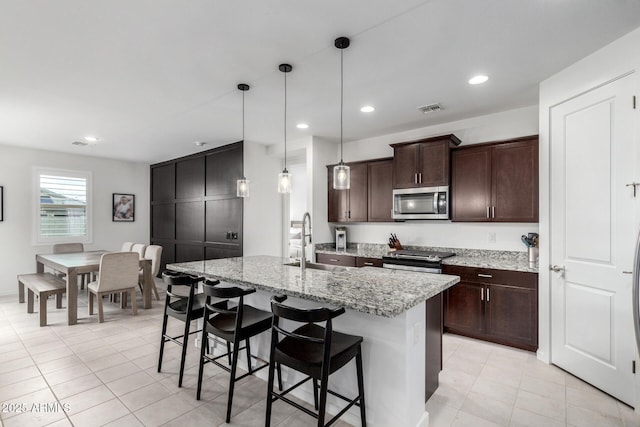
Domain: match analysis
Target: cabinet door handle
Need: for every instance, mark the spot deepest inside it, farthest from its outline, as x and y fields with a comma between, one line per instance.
x=487, y=294
x=488, y=276
x=368, y=263
x=420, y=178
x=333, y=260
x=348, y=214
x=493, y=211
x=415, y=178
x=482, y=294
x=488, y=212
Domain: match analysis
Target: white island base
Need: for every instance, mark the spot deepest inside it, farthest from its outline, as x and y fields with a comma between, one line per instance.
x=393, y=360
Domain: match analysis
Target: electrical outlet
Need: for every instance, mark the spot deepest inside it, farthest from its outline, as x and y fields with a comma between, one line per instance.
x=228, y=235
x=492, y=237
x=234, y=235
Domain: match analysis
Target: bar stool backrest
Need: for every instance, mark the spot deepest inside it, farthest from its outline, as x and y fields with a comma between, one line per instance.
x=302, y=315
x=216, y=293
x=172, y=279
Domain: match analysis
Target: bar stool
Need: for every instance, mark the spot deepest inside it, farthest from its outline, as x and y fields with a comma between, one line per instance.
x=182, y=307
x=314, y=351
x=234, y=325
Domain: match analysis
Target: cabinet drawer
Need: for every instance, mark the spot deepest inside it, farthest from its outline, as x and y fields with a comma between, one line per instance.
x=520, y=279
x=333, y=259
x=368, y=262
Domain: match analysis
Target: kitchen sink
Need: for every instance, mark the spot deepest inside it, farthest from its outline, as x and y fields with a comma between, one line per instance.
x=314, y=266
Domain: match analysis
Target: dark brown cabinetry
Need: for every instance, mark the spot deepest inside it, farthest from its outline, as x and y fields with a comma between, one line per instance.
x=195, y=213
x=495, y=305
x=349, y=205
x=380, y=191
x=496, y=181
x=334, y=259
x=423, y=163
x=368, y=262
x=348, y=260
x=369, y=197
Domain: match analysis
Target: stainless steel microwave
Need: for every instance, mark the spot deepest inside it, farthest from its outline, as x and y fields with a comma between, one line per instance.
x=421, y=203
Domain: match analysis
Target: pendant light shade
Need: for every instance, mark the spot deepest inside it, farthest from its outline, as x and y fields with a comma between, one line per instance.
x=341, y=172
x=242, y=185
x=284, y=178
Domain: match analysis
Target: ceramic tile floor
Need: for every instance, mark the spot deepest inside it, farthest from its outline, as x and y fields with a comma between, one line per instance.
x=105, y=374
x=95, y=374
x=484, y=384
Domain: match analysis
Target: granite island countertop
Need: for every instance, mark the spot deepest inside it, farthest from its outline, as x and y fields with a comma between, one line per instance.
x=483, y=258
x=377, y=291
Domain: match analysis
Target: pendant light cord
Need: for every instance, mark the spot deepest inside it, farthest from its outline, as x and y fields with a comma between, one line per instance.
x=341, y=98
x=242, y=116
x=285, y=121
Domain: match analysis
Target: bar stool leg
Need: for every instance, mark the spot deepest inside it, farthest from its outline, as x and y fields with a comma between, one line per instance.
x=324, y=383
x=185, y=342
x=205, y=336
x=363, y=417
x=267, y=419
x=162, y=340
x=315, y=393
x=248, y=355
x=229, y=352
x=232, y=378
x=279, y=377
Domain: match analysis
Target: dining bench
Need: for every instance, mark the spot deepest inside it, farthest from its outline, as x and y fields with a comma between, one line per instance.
x=44, y=285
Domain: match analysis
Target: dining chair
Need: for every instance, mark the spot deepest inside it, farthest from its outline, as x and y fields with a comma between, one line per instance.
x=139, y=248
x=69, y=248
x=154, y=253
x=314, y=351
x=118, y=274
x=234, y=325
x=126, y=247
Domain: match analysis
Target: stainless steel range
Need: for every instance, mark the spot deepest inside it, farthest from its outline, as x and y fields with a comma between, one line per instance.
x=423, y=261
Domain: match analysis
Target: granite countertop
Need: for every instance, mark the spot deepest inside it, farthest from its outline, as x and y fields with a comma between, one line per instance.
x=484, y=258
x=377, y=291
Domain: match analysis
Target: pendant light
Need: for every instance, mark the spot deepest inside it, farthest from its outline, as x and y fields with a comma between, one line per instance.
x=341, y=172
x=284, y=178
x=243, y=184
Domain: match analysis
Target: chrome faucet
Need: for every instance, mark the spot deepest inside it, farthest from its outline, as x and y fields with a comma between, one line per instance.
x=303, y=258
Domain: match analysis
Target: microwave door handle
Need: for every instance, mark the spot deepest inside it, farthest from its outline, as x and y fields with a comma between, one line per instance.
x=435, y=202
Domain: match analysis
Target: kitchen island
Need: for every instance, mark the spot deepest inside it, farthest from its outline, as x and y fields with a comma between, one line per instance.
x=387, y=307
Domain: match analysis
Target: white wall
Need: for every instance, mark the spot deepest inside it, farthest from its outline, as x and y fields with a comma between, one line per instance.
x=505, y=125
x=262, y=220
x=298, y=197
x=17, y=252
x=612, y=61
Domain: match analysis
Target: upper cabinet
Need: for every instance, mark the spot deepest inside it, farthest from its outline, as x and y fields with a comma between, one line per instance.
x=349, y=205
x=496, y=181
x=369, y=197
x=423, y=163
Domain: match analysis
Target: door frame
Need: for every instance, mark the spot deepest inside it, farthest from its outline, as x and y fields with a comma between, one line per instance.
x=608, y=64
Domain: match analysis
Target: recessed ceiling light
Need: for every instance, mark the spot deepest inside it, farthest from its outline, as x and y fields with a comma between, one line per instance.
x=368, y=109
x=479, y=79
x=302, y=126
x=91, y=139
x=200, y=143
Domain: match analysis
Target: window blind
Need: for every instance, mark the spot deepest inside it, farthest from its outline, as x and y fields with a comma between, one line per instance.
x=63, y=206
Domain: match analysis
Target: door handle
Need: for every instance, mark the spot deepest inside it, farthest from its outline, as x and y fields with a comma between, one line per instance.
x=556, y=268
x=627, y=272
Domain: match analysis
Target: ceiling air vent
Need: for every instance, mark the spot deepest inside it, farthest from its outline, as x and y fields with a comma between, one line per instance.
x=80, y=143
x=431, y=108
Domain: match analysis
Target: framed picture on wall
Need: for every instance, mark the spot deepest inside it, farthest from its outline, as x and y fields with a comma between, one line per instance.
x=123, y=207
x=1, y=203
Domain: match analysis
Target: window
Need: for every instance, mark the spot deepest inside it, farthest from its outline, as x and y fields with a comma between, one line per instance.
x=63, y=206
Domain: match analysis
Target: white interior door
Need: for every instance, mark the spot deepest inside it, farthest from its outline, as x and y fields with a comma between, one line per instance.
x=592, y=237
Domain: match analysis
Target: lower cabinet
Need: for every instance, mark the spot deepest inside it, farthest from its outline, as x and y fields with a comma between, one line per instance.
x=334, y=259
x=348, y=260
x=494, y=305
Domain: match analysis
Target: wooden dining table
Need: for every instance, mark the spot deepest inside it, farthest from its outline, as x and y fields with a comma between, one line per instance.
x=73, y=264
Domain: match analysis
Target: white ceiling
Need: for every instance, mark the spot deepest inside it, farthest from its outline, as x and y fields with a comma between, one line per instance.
x=150, y=77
